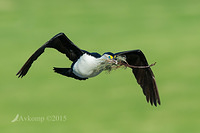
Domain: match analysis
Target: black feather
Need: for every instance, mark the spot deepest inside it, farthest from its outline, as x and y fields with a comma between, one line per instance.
x=59, y=42
x=144, y=76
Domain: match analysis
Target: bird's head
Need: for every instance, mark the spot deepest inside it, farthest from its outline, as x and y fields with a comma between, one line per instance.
x=109, y=57
x=108, y=61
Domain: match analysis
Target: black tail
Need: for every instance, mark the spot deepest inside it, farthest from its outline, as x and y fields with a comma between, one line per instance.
x=67, y=72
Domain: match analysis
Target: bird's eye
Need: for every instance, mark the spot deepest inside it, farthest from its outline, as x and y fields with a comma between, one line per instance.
x=110, y=56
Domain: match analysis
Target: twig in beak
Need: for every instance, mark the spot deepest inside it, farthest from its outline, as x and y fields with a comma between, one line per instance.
x=132, y=66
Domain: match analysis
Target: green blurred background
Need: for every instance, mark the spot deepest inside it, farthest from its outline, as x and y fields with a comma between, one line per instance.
x=167, y=31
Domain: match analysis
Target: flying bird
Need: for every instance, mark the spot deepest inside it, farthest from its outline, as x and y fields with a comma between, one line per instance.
x=86, y=65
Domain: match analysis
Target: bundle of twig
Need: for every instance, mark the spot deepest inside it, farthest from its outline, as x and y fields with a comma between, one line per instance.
x=118, y=62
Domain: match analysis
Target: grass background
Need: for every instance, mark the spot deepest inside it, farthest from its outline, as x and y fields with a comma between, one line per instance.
x=167, y=31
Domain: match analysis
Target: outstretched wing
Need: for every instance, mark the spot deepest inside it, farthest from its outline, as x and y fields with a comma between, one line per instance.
x=59, y=42
x=145, y=77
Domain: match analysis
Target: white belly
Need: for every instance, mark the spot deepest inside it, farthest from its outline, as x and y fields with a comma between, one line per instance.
x=87, y=66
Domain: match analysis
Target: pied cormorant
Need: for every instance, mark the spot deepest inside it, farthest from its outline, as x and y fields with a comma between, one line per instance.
x=86, y=65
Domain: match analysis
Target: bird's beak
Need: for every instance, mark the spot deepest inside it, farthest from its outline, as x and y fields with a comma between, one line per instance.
x=113, y=61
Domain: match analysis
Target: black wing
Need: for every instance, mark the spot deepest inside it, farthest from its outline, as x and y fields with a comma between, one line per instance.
x=145, y=77
x=59, y=42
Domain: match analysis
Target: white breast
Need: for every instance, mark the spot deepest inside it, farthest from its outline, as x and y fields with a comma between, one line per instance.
x=86, y=66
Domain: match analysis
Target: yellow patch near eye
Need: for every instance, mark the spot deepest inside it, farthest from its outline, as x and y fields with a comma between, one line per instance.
x=110, y=56
x=115, y=56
